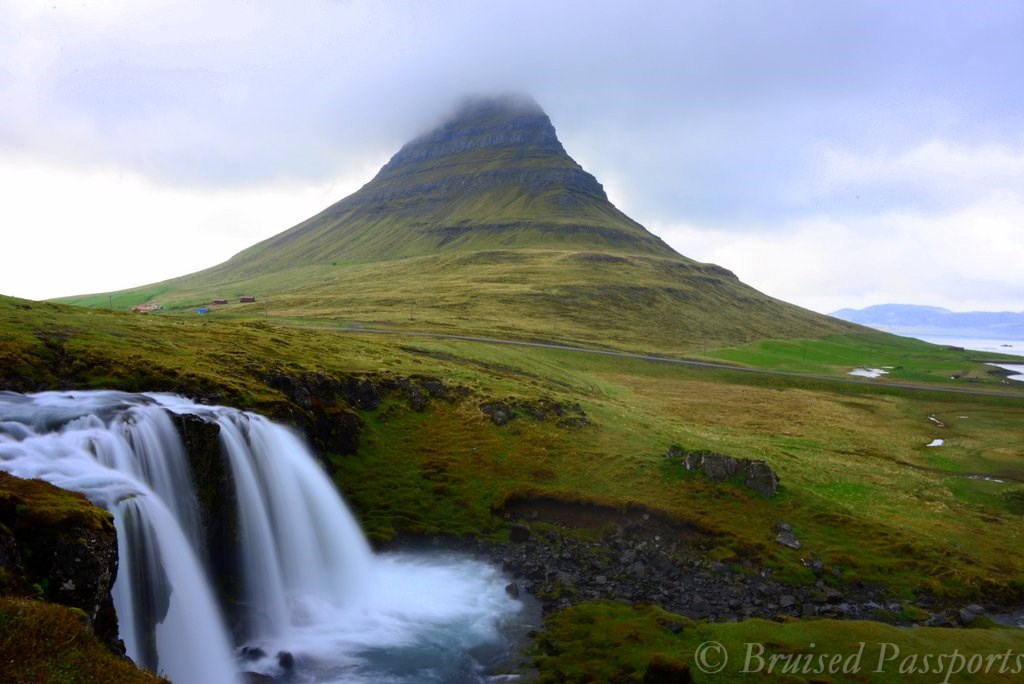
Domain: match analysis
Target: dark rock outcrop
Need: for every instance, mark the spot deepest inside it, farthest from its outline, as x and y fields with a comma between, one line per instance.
x=492, y=125
x=56, y=545
x=566, y=416
x=755, y=475
x=642, y=557
x=325, y=408
x=215, y=494
x=322, y=408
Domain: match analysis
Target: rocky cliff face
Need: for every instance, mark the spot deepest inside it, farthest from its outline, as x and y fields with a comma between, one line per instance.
x=514, y=130
x=56, y=546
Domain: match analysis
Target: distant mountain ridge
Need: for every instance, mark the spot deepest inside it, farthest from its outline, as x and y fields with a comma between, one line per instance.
x=912, y=318
x=484, y=225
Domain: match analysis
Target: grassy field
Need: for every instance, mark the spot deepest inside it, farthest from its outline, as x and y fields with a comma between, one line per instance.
x=858, y=484
x=611, y=642
x=632, y=302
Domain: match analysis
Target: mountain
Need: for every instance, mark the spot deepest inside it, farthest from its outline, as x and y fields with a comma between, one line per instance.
x=493, y=176
x=485, y=225
x=933, y=320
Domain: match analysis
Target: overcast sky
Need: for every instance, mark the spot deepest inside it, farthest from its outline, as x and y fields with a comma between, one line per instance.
x=831, y=154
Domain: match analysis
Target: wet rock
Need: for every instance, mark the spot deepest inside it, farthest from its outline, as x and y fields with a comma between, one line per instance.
x=252, y=653
x=285, y=660
x=519, y=533
x=215, y=494
x=969, y=614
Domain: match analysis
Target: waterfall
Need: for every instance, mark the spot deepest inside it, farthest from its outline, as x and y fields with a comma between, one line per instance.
x=121, y=451
x=311, y=587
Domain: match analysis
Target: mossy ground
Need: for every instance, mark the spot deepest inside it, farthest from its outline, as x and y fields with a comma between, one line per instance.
x=614, y=643
x=33, y=503
x=42, y=642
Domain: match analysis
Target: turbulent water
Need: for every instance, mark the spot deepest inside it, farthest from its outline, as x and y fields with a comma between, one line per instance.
x=318, y=605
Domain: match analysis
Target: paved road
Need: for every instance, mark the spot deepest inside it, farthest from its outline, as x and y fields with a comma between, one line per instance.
x=679, y=362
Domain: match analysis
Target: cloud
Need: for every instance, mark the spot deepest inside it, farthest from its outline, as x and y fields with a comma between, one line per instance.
x=67, y=232
x=938, y=174
x=243, y=91
x=963, y=260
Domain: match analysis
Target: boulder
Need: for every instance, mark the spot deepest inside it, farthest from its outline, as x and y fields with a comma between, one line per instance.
x=969, y=614
x=762, y=479
x=756, y=475
x=788, y=539
x=499, y=412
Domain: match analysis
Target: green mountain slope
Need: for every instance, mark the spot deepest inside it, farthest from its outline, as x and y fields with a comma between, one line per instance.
x=486, y=226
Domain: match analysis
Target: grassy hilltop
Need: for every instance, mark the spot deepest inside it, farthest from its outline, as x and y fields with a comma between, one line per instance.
x=485, y=227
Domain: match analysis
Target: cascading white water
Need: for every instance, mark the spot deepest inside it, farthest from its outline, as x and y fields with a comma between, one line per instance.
x=313, y=588
x=83, y=442
x=299, y=541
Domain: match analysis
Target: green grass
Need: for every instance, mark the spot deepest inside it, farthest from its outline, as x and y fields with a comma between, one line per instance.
x=905, y=359
x=613, y=642
x=645, y=303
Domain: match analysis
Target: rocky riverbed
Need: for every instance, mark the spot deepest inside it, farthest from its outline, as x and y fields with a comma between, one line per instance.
x=641, y=557
x=563, y=553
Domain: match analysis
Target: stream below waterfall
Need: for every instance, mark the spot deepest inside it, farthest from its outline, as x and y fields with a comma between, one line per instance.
x=316, y=604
